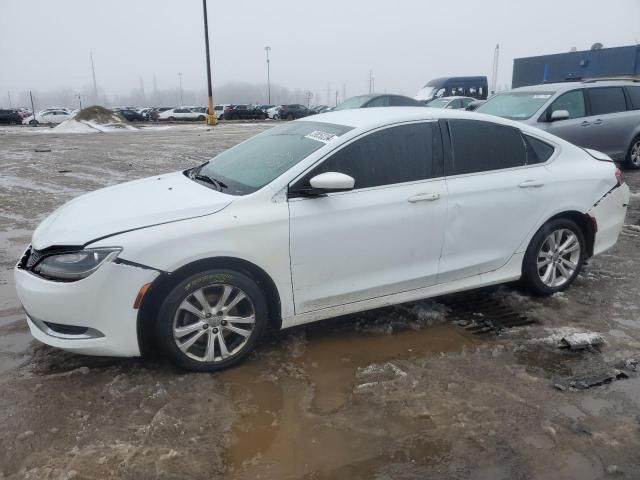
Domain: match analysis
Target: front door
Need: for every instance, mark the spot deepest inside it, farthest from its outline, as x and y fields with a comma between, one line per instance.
x=382, y=237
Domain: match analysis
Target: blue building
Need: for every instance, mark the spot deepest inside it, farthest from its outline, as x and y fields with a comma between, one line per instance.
x=559, y=67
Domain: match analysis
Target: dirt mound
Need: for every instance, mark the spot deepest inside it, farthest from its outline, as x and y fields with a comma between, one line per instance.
x=94, y=119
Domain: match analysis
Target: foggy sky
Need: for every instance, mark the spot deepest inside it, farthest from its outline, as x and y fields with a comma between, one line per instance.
x=45, y=44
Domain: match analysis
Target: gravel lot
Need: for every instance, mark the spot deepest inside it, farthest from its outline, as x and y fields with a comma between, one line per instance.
x=409, y=392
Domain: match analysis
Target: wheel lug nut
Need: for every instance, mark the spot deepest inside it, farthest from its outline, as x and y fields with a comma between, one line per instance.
x=208, y=315
x=223, y=322
x=215, y=330
x=204, y=327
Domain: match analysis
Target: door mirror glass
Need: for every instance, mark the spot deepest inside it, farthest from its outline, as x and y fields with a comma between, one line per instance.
x=332, y=182
x=559, y=115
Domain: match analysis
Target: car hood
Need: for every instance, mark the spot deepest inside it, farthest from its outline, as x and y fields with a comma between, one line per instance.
x=128, y=206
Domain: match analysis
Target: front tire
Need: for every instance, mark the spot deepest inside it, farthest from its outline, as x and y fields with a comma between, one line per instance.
x=633, y=155
x=211, y=320
x=554, y=257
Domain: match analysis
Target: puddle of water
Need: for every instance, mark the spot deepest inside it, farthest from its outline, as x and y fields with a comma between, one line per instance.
x=302, y=405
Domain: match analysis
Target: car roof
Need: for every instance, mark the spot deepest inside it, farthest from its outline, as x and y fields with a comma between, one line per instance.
x=564, y=86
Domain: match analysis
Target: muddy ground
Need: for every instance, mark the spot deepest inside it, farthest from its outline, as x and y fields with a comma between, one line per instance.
x=423, y=390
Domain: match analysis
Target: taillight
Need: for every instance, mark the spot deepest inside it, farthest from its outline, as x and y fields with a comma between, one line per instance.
x=619, y=177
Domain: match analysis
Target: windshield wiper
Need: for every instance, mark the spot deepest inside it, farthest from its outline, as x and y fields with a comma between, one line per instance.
x=213, y=181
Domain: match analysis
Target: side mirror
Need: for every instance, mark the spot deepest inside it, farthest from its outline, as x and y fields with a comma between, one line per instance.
x=559, y=115
x=326, y=183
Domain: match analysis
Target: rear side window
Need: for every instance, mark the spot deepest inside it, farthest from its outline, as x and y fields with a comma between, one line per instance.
x=483, y=146
x=537, y=150
x=606, y=100
x=398, y=101
x=634, y=95
x=394, y=155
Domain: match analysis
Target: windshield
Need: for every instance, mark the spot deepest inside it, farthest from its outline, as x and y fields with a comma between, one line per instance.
x=252, y=164
x=439, y=103
x=426, y=93
x=515, y=105
x=353, y=102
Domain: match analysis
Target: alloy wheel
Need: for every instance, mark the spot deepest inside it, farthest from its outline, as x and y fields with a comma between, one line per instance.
x=558, y=257
x=214, y=323
x=635, y=154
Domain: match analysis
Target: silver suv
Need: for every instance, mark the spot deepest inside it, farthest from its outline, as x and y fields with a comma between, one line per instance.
x=600, y=114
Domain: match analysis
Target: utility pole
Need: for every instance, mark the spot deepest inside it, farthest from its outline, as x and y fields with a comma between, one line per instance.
x=266, y=49
x=336, y=98
x=181, y=97
x=80, y=100
x=308, y=94
x=33, y=109
x=370, y=82
x=494, y=79
x=211, y=117
x=9, y=95
x=93, y=73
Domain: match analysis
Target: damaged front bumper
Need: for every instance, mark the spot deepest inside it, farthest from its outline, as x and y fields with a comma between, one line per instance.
x=609, y=213
x=92, y=316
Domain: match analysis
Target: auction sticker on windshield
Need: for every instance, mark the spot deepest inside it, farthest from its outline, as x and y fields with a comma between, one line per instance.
x=320, y=136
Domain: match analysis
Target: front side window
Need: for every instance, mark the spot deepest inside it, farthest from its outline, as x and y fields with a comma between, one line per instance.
x=405, y=153
x=607, y=100
x=484, y=146
x=515, y=105
x=572, y=102
x=252, y=164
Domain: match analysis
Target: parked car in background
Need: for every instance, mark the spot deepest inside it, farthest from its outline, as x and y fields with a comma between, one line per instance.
x=320, y=108
x=174, y=114
x=218, y=110
x=472, y=106
x=131, y=115
x=378, y=100
x=475, y=87
x=264, y=108
x=155, y=112
x=455, y=103
x=243, y=112
x=11, y=117
x=145, y=112
x=293, y=111
x=601, y=114
x=466, y=201
x=199, y=109
x=48, y=117
x=274, y=112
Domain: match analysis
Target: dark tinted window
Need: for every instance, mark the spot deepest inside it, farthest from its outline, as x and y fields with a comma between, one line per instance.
x=482, y=146
x=399, y=101
x=379, y=102
x=634, y=94
x=606, y=100
x=537, y=150
x=395, y=155
x=572, y=102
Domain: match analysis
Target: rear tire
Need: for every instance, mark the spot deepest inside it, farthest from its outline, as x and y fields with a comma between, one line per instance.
x=212, y=337
x=201, y=118
x=171, y=119
x=633, y=155
x=554, y=257
x=290, y=116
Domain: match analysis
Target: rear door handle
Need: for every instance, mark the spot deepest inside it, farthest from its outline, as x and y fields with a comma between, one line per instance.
x=424, y=197
x=585, y=124
x=598, y=122
x=531, y=184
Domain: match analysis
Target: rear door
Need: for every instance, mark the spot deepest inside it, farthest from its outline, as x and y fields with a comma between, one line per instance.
x=495, y=197
x=382, y=237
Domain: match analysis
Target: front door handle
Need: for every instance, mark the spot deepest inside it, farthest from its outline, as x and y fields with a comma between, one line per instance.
x=598, y=122
x=424, y=197
x=531, y=184
x=585, y=124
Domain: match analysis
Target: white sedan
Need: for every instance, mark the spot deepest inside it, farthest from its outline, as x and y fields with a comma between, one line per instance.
x=181, y=114
x=324, y=216
x=48, y=116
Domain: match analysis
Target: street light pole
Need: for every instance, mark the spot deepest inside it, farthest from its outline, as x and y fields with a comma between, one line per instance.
x=181, y=98
x=211, y=117
x=266, y=49
x=80, y=101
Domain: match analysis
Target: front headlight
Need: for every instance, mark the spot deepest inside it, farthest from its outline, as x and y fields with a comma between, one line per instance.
x=70, y=266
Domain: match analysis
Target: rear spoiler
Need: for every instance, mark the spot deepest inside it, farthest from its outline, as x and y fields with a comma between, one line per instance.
x=603, y=157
